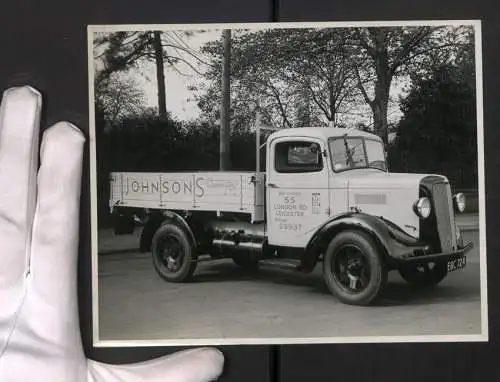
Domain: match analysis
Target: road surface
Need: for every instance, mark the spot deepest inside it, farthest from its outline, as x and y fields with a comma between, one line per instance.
x=224, y=302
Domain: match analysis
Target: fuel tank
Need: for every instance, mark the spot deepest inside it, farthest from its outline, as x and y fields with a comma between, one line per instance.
x=236, y=238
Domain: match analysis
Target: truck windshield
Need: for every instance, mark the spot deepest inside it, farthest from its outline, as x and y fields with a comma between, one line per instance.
x=357, y=152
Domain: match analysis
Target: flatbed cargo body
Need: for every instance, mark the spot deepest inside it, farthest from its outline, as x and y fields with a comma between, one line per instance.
x=220, y=191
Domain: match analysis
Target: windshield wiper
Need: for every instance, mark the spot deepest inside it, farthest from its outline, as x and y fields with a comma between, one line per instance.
x=350, y=160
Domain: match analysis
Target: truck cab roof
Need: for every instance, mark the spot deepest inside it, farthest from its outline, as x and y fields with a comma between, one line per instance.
x=321, y=132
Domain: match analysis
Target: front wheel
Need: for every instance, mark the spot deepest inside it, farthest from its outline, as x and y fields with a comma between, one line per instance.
x=424, y=276
x=353, y=269
x=173, y=254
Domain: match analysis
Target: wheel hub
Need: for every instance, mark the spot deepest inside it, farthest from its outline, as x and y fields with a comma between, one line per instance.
x=171, y=256
x=351, y=268
x=171, y=262
x=354, y=269
x=354, y=266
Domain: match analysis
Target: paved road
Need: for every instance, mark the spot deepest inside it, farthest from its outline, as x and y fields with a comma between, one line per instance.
x=135, y=304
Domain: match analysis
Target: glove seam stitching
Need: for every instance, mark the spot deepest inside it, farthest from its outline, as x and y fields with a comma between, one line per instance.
x=15, y=321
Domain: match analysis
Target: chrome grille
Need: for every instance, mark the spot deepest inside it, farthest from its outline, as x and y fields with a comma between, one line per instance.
x=445, y=218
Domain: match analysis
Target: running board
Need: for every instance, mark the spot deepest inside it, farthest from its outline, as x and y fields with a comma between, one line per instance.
x=283, y=264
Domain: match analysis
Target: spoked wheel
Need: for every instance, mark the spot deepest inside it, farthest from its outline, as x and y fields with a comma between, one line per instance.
x=172, y=253
x=424, y=276
x=353, y=269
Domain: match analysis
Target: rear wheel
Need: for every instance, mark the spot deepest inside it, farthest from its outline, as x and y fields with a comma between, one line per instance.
x=173, y=254
x=423, y=276
x=353, y=269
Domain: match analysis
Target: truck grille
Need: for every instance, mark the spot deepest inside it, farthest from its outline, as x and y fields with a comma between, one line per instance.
x=445, y=218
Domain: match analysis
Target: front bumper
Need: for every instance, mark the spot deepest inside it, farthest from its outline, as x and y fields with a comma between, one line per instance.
x=437, y=257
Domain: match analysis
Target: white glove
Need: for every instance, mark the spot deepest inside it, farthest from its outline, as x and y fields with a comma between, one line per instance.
x=39, y=215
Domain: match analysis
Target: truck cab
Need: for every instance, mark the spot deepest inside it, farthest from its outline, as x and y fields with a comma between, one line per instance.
x=312, y=175
x=326, y=198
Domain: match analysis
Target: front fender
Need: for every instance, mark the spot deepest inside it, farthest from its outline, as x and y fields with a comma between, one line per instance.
x=392, y=241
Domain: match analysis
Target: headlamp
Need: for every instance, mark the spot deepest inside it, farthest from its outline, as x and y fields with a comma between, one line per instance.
x=459, y=202
x=422, y=207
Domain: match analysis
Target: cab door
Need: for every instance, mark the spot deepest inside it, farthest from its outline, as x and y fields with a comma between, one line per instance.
x=297, y=190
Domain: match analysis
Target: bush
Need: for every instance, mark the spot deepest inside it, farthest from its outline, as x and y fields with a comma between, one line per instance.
x=152, y=144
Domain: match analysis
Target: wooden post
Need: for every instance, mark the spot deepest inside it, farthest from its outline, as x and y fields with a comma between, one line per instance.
x=160, y=74
x=257, y=147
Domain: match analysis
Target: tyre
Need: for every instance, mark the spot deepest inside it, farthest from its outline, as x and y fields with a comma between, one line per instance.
x=424, y=277
x=353, y=269
x=173, y=254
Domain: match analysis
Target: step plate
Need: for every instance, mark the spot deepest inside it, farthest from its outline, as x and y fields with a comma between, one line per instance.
x=286, y=264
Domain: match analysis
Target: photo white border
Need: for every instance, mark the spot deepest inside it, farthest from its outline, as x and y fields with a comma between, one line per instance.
x=483, y=337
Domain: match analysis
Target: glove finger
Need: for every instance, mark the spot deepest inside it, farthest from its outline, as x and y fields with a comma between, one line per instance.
x=19, y=131
x=198, y=365
x=56, y=225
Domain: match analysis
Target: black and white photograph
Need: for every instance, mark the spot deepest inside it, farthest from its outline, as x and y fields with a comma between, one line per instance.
x=287, y=183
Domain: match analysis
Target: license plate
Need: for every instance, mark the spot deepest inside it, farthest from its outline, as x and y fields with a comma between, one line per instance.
x=457, y=263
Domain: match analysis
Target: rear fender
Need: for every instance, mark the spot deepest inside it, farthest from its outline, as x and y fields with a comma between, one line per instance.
x=155, y=220
x=391, y=241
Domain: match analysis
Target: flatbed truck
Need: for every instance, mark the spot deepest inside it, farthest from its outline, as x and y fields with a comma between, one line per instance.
x=324, y=198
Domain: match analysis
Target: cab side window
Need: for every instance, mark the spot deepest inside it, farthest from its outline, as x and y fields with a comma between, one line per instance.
x=297, y=156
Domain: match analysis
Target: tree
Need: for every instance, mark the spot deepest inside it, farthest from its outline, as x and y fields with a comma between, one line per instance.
x=437, y=133
x=160, y=73
x=121, y=51
x=385, y=53
x=320, y=69
x=292, y=77
x=225, y=124
x=120, y=98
